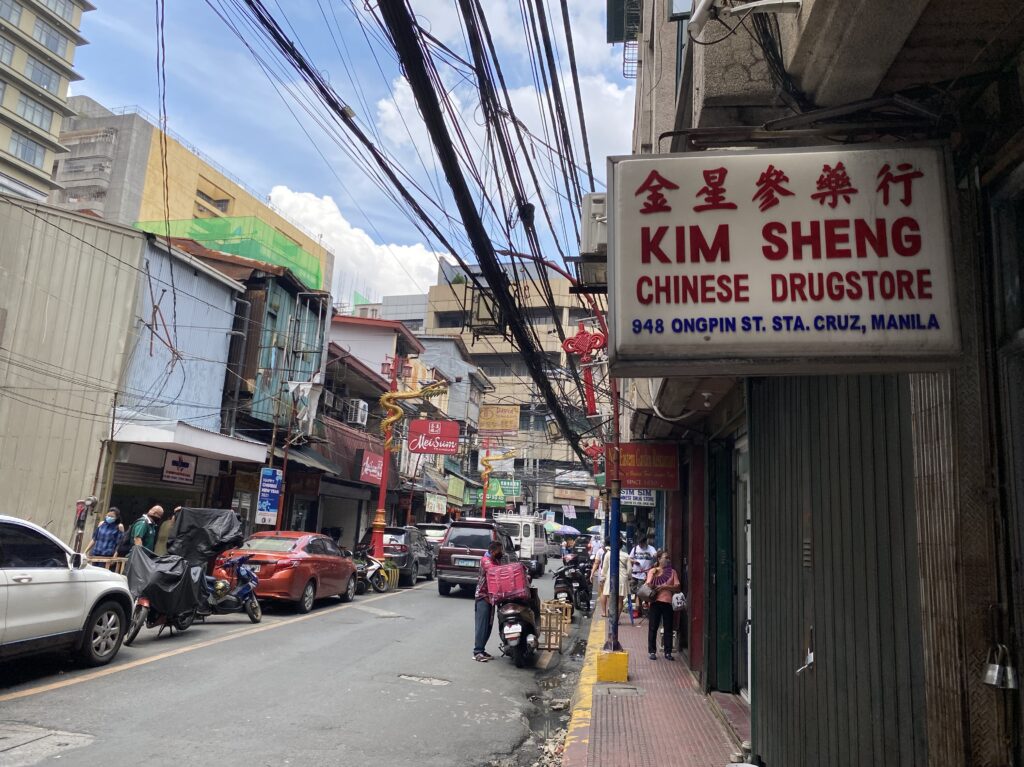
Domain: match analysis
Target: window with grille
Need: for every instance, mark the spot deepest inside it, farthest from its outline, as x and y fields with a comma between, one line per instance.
x=11, y=11
x=28, y=150
x=35, y=112
x=62, y=8
x=42, y=75
x=6, y=51
x=51, y=38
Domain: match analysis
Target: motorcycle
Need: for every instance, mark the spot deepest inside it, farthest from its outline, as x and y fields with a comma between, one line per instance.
x=373, y=569
x=572, y=586
x=517, y=627
x=166, y=591
x=221, y=599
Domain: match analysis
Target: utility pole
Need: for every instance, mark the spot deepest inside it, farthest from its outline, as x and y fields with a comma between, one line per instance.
x=379, y=520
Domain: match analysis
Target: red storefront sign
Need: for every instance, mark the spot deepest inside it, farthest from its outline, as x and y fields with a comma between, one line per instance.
x=434, y=437
x=650, y=465
x=372, y=468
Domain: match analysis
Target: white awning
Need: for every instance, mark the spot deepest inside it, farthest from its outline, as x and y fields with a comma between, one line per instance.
x=190, y=439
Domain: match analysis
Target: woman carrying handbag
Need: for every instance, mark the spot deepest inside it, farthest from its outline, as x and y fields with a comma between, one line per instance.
x=663, y=581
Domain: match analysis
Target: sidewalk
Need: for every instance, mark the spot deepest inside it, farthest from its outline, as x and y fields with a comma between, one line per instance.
x=658, y=717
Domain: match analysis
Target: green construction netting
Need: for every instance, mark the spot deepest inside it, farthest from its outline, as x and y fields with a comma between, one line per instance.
x=245, y=236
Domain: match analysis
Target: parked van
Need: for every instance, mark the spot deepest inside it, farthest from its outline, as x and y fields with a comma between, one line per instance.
x=528, y=534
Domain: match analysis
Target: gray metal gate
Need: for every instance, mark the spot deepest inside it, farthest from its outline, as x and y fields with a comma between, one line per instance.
x=835, y=563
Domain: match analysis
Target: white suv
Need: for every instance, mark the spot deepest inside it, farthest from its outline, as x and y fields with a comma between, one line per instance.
x=51, y=601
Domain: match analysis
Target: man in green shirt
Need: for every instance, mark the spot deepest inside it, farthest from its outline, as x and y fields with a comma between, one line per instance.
x=143, y=532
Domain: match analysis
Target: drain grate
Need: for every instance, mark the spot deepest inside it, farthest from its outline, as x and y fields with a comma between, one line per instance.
x=618, y=690
x=432, y=681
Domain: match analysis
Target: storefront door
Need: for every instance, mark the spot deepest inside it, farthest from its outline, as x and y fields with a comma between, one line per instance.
x=744, y=564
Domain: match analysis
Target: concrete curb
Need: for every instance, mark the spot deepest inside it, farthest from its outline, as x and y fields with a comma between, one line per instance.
x=577, y=738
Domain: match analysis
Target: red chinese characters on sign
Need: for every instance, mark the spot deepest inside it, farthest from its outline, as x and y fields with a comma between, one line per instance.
x=644, y=465
x=713, y=191
x=434, y=437
x=652, y=186
x=372, y=468
x=904, y=178
x=833, y=183
x=770, y=188
x=594, y=451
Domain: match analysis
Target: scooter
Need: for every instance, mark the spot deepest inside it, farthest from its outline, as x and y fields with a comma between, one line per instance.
x=572, y=586
x=517, y=628
x=164, y=589
x=373, y=572
x=221, y=599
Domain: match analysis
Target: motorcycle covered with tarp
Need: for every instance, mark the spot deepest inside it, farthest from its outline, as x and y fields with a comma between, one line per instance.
x=199, y=535
x=166, y=590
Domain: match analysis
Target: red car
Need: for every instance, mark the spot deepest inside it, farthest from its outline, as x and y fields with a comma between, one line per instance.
x=296, y=567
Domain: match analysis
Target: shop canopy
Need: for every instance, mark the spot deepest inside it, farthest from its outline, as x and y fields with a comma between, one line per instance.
x=185, y=438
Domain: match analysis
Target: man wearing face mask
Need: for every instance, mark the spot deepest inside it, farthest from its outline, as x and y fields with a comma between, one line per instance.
x=107, y=535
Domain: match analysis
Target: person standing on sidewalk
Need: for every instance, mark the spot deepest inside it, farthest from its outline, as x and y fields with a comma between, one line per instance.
x=143, y=532
x=664, y=581
x=106, y=536
x=625, y=565
x=596, y=578
x=483, y=609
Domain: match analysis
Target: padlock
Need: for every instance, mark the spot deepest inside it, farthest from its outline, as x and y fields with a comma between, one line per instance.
x=1009, y=672
x=998, y=672
x=993, y=671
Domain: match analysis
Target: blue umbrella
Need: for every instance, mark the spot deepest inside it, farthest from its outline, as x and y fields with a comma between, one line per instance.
x=567, y=530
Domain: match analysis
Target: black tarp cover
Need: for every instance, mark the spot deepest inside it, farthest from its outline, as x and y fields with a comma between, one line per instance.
x=199, y=535
x=169, y=582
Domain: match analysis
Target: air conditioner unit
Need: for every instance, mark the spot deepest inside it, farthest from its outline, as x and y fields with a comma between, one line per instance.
x=594, y=237
x=357, y=411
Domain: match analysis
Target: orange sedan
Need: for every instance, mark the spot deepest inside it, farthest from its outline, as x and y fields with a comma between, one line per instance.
x=295, y=566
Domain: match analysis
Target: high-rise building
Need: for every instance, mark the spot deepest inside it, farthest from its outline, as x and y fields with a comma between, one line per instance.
x=38, y=39
x=113, y=168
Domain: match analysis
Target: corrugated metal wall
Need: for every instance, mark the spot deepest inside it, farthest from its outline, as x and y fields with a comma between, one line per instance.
x=68, y=285
x=835, y=568
x=190, y=386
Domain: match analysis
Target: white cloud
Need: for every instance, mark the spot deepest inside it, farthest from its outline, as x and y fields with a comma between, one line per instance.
x=360, y=263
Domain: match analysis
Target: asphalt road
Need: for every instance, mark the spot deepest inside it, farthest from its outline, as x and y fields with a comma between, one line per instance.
x=387, y=679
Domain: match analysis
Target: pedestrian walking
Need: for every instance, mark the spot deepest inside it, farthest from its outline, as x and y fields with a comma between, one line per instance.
x=625, y=565
x=143, y=532
x=598, y=579
x=644, y=557
x=664, y=582
x=106, y=535
x=483, y=610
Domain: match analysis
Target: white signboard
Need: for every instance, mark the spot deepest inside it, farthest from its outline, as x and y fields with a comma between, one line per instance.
x=629, y=497
x=435, y=504
x=782, y=261
x=180, y=468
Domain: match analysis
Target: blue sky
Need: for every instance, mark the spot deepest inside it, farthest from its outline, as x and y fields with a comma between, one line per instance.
x=219, y=100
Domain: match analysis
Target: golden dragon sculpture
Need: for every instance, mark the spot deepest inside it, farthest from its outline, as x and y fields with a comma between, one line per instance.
x=486, y=461
x=395, y=413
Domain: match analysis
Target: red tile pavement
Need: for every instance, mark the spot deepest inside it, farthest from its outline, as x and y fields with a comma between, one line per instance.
x=659, y=717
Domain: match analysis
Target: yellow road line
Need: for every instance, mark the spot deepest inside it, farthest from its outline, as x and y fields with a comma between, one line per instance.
x=583, y=699
x=197, y=646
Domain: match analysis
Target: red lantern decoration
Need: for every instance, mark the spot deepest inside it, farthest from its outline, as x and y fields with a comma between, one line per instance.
x=584, y=344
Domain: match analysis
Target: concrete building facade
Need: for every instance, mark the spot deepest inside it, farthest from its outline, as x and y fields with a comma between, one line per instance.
x=38, y=39
x=113, y=168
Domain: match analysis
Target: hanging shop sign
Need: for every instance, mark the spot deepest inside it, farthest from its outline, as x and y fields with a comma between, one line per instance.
x=498, y=420
x=809, y=260
x=456, y=490
x=180, y=468
x=435, y=504
x=434, y=437
x=268, y=502
x=498, y=492
x=636, y=497
x=500, y=466
x=645, y=465
x=371, y=468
